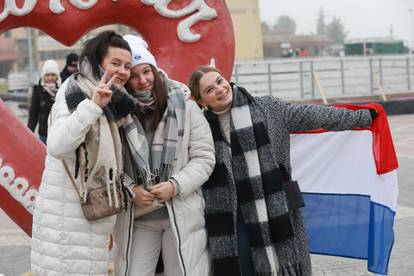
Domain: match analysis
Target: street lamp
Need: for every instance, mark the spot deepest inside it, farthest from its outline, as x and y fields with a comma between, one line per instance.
x=30, y=46
x=410, y=10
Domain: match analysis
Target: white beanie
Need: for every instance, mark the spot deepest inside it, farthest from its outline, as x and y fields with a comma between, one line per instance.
x=50, y=66
x=139, y=51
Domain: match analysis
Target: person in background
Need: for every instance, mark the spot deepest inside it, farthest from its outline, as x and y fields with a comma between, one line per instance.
x=71, y=66
x=43, y=97
x=168, y=155
x=253, y=220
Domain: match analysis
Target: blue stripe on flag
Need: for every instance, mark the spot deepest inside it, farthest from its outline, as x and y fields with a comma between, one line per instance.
x=350, y=226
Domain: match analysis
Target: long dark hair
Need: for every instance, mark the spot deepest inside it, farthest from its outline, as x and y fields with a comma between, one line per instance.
x=160, y=95
x=96, y=48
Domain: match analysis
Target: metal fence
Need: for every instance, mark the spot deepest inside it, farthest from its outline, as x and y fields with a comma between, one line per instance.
x=336, y=77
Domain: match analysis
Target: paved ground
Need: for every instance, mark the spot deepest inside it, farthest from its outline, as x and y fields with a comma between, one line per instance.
x=15, y=245
x=14, y=248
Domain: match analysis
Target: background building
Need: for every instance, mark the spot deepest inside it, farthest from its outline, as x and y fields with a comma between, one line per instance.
x=8, y=55
x=276, y=45
x=247, y=29
x=374, y=46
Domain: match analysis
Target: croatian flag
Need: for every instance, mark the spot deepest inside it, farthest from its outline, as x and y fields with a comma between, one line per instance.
x=349, y=182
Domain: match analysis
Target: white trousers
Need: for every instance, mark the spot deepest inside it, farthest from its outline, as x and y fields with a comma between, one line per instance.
x=148, y=238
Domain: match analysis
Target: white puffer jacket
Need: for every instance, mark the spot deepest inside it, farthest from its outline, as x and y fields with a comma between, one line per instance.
x=63, y=241
x=186, y=209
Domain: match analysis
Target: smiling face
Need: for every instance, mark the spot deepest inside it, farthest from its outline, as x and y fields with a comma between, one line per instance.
x=117, y=62
x=50, y=78
x=215, y=91
x=142, y=78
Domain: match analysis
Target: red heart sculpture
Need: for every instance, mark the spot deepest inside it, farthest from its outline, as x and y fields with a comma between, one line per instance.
x=181, y=34
x=22, y=158
x=159, y=23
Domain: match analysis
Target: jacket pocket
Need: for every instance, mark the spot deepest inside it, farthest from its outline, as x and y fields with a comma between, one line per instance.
x=292, y=191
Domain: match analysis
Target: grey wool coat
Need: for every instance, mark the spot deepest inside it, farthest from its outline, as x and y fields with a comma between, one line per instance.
x=283, y=118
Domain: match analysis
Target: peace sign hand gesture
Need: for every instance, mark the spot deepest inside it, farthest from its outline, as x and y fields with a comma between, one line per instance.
x=102, y=93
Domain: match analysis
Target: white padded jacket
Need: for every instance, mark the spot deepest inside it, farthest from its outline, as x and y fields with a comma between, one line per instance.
x=186, y=209
x=63, y=241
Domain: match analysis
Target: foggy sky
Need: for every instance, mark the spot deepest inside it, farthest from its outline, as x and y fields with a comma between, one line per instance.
x=362, y=18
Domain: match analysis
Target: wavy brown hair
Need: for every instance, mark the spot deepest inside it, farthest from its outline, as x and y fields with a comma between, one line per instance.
x=194, y=82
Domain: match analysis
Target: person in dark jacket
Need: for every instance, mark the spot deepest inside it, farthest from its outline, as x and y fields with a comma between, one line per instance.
x=43, y=97
x=71, y=66
x=254, y=224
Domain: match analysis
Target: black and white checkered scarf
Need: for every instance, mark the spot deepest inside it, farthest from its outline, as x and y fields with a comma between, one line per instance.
x=155, y=162
x=246, y=177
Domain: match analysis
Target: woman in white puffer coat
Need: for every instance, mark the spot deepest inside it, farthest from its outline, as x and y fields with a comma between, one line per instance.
x=168, y=155
x=64, y=242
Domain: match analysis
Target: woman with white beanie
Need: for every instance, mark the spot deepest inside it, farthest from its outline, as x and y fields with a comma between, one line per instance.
x=43, y=97
x=168, y=155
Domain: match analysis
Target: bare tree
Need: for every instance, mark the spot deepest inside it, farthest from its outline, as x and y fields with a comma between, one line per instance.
x=285, y=25
x=321, y=26
x=336, y=30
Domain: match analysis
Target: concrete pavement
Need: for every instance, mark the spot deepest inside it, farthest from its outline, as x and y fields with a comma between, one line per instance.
x=14, y=248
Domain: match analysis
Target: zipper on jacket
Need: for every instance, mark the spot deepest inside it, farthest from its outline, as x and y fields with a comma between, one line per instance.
x=179, y=238
x=128, y=244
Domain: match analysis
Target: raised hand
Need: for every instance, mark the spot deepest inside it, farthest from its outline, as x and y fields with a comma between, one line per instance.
x=102, y=93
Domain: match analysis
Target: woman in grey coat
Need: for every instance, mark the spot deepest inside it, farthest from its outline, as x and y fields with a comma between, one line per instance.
x=253, y=222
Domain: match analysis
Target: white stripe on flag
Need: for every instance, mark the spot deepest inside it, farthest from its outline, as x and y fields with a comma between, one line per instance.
x=341, y=163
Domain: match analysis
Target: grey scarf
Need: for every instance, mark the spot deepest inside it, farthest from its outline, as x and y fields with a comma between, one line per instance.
x=166, y=143
x=144, y=101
